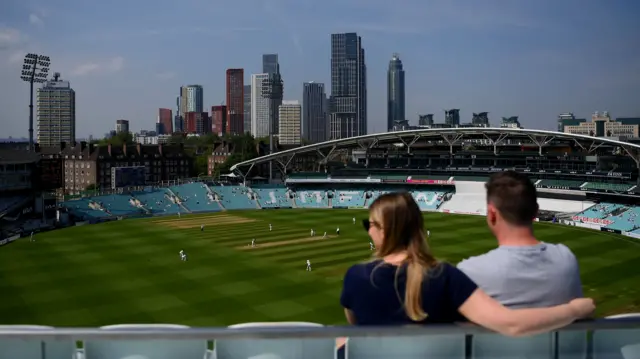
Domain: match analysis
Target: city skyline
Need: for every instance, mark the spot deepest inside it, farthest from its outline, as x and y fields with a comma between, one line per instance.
x=518, y=60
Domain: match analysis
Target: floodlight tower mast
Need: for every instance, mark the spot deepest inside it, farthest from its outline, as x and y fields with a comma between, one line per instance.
x=34, y=70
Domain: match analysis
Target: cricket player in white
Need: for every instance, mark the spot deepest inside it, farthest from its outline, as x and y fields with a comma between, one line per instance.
x=338, y=231
x=183, y=255
x=253, y=242
x=201, y=227
x=270, y=227
x=428, y=233
x=371, y=247
x=354, y=220
x=31, y=238
x=308, y=265
x=325, y=235
x=312, y=233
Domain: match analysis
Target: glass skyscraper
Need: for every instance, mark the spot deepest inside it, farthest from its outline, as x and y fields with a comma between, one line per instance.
x=395, y=94
x=348, y=102
x=270, y=64
x=314, y=112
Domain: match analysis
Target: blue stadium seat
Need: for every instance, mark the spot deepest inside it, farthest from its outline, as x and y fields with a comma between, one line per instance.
x=346, y=199
x=157, y=201
x=426, y=346
x=196, y=197
x=272, y=197
x=307, y=348
x=234, y=197
x=492, y=346
x=156, y=349
x=312, y=198
x=34, y=349
x=616, y=344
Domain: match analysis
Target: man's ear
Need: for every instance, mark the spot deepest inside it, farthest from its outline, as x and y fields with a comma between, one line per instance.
x=492, y=214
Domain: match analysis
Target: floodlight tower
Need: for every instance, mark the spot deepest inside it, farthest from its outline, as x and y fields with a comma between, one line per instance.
x=34, y=70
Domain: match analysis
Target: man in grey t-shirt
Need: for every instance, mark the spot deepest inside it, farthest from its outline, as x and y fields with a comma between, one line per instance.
x=522, y=272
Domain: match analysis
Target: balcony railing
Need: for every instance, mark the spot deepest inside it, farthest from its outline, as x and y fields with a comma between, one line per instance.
x=600, y=339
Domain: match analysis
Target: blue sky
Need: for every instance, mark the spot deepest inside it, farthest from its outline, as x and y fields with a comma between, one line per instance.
x=530, y=58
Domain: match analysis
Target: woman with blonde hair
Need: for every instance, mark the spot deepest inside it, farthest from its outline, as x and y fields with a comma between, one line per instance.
x=405, y=284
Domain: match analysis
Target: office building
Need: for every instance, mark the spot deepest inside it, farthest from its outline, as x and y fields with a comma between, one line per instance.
x=260, y=110
x=602, y=125
x=289, y=114
x=395, y=94
x=247, y=108
x=348, y=103
x=165, y=119
x=315, y=124
x=56, y=112
x=122, y=126
x=270, y=64
x=197, y=123
x=235, y=101
x=219, y=119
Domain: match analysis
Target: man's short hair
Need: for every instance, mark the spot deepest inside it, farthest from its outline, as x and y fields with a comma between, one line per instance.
x=514, y=196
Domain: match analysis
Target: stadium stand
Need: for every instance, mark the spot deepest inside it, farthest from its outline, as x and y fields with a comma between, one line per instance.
x=601, y=211
x=617, y=187
x=428, y=201
x=312, y=198
x=234, y=197
x=272, y=197
x=157, y=201
x=117, y=205
x=196, y=197
x=346, y=199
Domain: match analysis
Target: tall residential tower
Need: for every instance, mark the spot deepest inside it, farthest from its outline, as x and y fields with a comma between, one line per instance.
x=235, y=101
x=348, y=102
x=56, y=112
x=395, y=94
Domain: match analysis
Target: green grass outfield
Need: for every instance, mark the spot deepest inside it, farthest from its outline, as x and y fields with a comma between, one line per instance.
x=129, y=271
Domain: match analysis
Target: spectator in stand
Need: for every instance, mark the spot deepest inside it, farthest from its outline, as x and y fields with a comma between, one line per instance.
x=522, y=272
x=405, y=284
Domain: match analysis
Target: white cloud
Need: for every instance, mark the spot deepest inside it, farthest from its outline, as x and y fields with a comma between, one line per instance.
x=34, y=19
x=10, y=37
x=165, y=75
x=112, y=65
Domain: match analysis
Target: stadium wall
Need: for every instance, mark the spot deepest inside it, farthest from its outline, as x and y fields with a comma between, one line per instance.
x=599, y=227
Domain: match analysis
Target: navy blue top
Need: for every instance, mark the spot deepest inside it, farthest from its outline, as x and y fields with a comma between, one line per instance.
x=374, y=299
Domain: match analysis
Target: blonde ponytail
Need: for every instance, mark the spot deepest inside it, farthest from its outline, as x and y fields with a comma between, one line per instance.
x=413, y=293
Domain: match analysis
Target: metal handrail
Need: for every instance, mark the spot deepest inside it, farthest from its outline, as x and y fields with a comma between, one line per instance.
x=285, y=332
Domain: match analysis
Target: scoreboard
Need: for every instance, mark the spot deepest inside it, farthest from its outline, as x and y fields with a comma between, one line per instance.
x=127, y=176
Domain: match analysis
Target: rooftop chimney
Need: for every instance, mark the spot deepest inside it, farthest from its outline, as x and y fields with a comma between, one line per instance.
x=124, y=147
x=160, y=148
x=139, y=148
x=109, y=149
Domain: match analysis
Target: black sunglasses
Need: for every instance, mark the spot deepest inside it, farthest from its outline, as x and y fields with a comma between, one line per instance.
x=366, y=224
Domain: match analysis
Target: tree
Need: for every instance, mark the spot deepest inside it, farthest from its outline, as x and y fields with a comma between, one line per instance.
x=201, y=164
x=117, y=140
x=91, y=187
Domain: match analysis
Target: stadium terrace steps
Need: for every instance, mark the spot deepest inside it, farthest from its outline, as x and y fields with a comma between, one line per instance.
x=196, y=197
x=272, y=197
x=234, y=197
